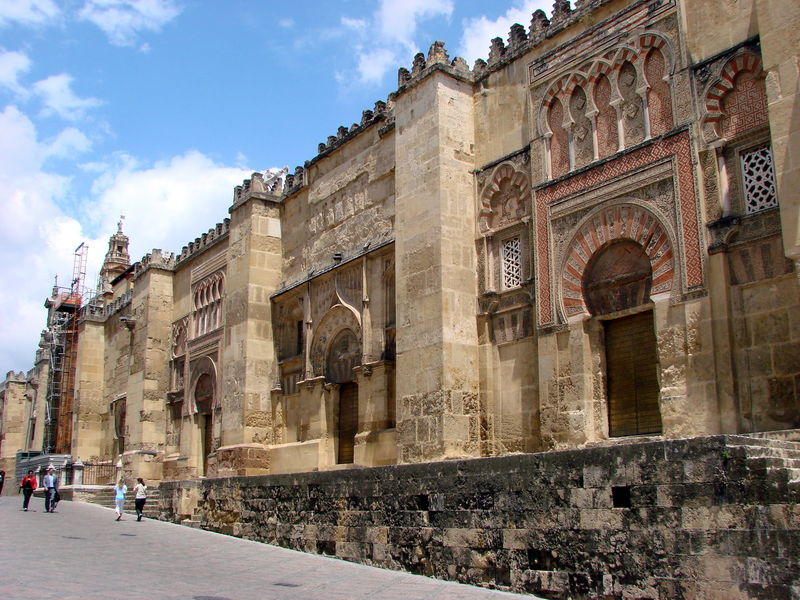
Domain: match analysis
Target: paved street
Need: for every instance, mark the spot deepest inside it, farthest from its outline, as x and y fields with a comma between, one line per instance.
x=81, y=552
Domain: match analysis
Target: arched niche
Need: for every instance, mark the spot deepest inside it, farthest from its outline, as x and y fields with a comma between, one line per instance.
x=338, y=318
x=618, y=277
x=745, y=72
x=505, y=199
x=600, y=229
x=344, y=353
x=203, y=390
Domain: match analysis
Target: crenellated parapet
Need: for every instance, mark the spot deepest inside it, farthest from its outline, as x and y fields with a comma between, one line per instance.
x=382, y=111
x=437, y=59
x=157, y=259
x=296, y=180
x=208, y=239
x=501, y=52
x=16, y=376
x=99, y=312
x=266, y=186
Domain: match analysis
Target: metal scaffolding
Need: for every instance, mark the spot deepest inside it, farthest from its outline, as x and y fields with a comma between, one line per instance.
x=65, y=306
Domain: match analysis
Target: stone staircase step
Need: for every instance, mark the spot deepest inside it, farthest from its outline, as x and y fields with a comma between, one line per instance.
x=741, y=440
x=763, y=462
x=191, y=523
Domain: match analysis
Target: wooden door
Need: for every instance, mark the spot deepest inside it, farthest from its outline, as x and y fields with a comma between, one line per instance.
x=632, y=374
x=208, y=438
x=348, y=422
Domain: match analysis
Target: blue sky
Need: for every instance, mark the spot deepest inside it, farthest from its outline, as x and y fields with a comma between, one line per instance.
x=155, y=109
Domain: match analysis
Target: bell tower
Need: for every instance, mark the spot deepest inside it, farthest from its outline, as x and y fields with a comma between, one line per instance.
x=117, y=258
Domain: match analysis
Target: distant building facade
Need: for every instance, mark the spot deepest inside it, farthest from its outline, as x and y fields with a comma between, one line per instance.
x=591, y=237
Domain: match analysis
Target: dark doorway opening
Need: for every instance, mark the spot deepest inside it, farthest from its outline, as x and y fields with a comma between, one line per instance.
x=348, y=422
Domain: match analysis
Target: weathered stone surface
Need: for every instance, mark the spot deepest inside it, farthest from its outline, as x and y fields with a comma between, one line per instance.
x=638, y=520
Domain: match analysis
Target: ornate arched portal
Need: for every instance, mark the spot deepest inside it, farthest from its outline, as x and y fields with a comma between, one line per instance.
x=618, y=278
x=204, y=401
x=603, y=229
x=344, y=353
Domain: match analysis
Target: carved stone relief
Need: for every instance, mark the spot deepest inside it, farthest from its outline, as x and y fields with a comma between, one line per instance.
x=337, y=319
x=505, y=197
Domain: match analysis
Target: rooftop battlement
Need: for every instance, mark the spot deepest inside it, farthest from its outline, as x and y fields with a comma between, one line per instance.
x=96, y=312
x=156, y=259
x=19, y=377
x=381, y=111
x=209, y=238
x=520, y=41
x=260, y=185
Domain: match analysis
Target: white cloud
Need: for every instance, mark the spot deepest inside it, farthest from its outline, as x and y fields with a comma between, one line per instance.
x=27, y=12
x=123, y=21
x=29, y=197
x=379, y=40
x=67, y=143
x=286, y=23
x=12, y=65
x=58, y=97
x=372, y=65
x=479, y=31
x=166, y=205
x=354, y=24
x=398, y=21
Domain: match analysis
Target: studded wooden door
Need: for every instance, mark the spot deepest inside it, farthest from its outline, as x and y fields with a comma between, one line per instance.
x=632, y=375
x=348, y=422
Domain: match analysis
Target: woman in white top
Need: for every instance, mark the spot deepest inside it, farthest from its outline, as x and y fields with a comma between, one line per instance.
x=119, y=498
x=140, y=490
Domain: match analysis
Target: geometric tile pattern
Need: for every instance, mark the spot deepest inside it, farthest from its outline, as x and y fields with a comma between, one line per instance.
x=745, y=106
x=745, y=62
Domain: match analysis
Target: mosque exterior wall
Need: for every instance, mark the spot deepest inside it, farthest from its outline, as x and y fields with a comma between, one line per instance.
x=589, y=239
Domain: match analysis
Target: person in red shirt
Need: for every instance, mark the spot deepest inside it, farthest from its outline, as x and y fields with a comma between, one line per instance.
x=28, y=484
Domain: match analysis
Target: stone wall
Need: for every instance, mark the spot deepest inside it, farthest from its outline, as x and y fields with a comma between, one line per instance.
x=14, y=414
x=766, y=334
x=714, y=517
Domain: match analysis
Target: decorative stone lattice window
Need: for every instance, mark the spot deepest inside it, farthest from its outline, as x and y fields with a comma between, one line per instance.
x=758, y=177
x=511, y=257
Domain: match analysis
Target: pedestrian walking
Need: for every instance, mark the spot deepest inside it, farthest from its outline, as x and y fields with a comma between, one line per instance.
x=140, y=492
x=27, y=485
x=50, y=489
x=119, y=497
x=2, y=481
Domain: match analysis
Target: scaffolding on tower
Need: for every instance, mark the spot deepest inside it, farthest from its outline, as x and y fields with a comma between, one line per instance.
x=65, y=307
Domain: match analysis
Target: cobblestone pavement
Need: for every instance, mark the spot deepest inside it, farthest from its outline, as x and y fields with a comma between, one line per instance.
x=81, y=552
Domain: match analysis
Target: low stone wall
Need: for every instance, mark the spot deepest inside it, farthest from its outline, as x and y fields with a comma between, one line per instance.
x=713, y=517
